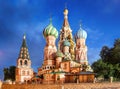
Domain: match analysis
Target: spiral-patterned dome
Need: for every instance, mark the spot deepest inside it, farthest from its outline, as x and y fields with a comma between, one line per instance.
x=81, y=33
x=66, y=43
x=50, y=30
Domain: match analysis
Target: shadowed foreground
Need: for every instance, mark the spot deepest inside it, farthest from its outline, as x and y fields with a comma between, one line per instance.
x=65, y=86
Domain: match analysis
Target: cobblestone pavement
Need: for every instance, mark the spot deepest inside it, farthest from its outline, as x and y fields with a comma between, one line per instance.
x=93, y=86
x=64, y=86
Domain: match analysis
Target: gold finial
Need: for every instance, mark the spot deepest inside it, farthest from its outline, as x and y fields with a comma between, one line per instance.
x=66, y=12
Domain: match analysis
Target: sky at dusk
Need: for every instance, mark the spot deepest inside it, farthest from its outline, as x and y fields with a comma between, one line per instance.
x=100, y=18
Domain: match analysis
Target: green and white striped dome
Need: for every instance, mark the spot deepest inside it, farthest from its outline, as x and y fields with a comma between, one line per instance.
x=50, y=30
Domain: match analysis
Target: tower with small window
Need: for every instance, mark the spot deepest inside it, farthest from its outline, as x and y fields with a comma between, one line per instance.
x=24, y=72
x=66, y=34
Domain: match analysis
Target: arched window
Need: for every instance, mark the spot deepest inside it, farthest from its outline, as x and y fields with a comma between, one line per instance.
x=25, y=62
x=53, y=67
x=27, y=72
x=23, y=72
x=65, y=66
x=20, y=62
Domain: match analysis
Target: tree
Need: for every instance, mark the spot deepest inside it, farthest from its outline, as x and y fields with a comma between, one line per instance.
x=109, y=64
x=104, y=52
x=116, y=52
x=117, y=71
x=9, y=73
x=99, y=67
x=6, y=73
x=111, y=55
x=12, y=72
x=117, y=42
x=103, y=69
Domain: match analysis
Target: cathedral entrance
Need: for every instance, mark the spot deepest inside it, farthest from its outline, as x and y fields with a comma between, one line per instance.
x=71, y=78
x=82, y=77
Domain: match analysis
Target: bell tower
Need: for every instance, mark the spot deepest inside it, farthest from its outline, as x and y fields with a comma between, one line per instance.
x=24, y=72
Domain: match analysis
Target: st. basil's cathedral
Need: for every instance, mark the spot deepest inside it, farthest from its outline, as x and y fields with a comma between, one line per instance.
x=66, y=64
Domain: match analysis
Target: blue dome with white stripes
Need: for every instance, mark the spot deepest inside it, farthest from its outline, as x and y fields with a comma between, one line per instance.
x=81, y=34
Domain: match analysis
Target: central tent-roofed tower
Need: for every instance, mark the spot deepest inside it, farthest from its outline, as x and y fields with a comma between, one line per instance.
x=66, y=34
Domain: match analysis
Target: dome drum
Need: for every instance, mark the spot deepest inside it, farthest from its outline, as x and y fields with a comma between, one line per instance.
x=66, y=43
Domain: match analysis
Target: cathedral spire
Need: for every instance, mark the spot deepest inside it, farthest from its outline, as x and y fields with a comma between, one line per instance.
x=66, y=34
x=65, y=23
x=24, y=41
x=24, y=54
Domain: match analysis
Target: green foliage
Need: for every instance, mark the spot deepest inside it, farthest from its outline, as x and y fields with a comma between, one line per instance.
x=104, y=52
x=9, y=73
x=106, y=70
x=111, y=55
x=117, y=43
x=109, y=64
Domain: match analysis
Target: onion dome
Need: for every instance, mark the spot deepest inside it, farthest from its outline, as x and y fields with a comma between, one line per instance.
x=59, y=54
x=66, y=43
x=50, y=30
x=81, y=33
